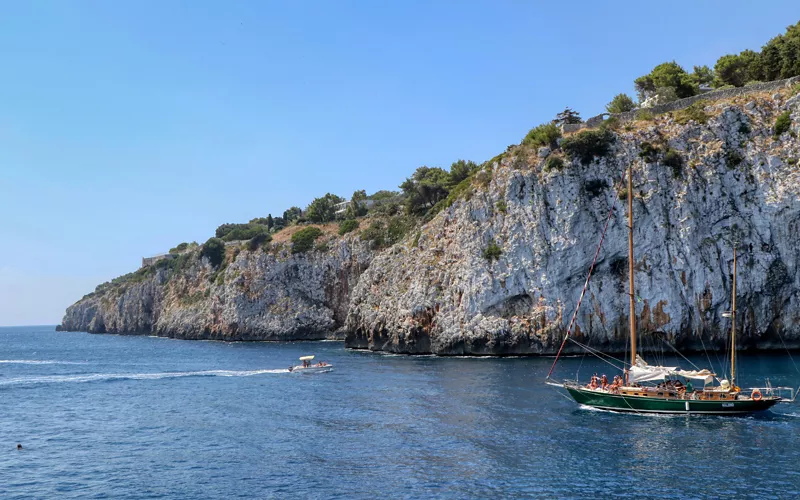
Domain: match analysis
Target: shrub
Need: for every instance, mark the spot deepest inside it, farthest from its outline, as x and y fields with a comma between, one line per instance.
x=674, y=160
x=244, y=232
x=501, y=206
x=224, y=229
x=484, y=177
x=733, y=158
x=744, y=129
x=648, y=152
x=595, y=187
x=397, y=228
x=782, y=124
x=214, y=250
x=644, y=115
x=588, y=145
x=694, y=112
x=180, y=248
x=553, y=162
x=795, y=89
x=620, y=104
x=492, y=251
x=303, y=240
x=544, y=135
x=752, y=82
x=374, y=234
x=348, y=226
x=258, y=240
x=612, y=123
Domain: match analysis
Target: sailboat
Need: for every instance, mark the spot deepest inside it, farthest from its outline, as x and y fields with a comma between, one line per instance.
x=645, y=388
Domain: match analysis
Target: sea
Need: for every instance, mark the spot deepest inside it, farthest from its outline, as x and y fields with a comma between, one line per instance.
x=109, y=416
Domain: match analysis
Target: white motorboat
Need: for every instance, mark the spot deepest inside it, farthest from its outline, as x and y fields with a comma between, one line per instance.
x=308, y=367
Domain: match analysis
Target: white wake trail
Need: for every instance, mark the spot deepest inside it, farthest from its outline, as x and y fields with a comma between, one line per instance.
x=104, y=377
x=38, y=362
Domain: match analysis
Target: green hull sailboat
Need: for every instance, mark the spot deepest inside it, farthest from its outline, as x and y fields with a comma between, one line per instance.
x=644, y=388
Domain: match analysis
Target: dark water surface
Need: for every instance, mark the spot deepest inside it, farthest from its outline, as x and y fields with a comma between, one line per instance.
x=104, y=416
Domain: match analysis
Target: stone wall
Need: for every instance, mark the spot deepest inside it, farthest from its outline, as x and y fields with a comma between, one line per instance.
x=149, y=261
x=596, y=121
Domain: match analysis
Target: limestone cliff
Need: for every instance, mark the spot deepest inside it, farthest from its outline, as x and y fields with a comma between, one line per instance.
x=722, y=182
x=260, y=295
x=500, y=270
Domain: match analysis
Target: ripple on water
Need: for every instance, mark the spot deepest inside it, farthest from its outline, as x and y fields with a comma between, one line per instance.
x=134, y=417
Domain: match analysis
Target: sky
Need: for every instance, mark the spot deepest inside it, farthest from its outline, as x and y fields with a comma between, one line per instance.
x=127, y=127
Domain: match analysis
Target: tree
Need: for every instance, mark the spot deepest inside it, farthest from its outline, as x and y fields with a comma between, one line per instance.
x=357, y=206
x=780, y=57
x=737, y=70
x=620, y=104
x=292, y=214
x=277, y=224
x=425, y=188
x=668, y=74
x=568, y=116
x=459, y=171
x=214, y=250
x=702, y=75
x=323, y=209
x=270, y=221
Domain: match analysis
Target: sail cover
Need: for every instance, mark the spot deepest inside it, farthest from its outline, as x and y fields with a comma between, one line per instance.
x=642, y=372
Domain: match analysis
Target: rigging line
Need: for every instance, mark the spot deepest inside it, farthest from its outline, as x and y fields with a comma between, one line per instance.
x=599, y=355
x=588, y=277
x=787, y=350
x=681, y=355
x=710, y=364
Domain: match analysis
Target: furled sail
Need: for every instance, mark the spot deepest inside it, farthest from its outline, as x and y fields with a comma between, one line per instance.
x=642, y=372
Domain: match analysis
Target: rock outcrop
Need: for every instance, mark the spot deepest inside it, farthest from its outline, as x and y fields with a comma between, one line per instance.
x=259, y=295
x=707, y=187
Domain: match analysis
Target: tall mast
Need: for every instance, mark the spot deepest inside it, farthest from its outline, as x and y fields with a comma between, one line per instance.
x=631, y=313
x=733, y=322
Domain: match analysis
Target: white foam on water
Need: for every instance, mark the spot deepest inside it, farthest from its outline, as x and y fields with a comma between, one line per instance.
x=104, y=377
x=38, y=362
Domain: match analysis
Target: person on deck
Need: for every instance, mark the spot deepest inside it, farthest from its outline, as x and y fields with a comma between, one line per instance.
x=604, y=382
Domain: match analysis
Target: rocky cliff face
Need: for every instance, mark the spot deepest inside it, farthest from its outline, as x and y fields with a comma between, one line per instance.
x=501, y=270
x=261, y=295
x=733, y=184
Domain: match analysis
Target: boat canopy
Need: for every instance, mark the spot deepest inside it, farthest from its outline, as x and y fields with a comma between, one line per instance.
x=642, y=372
x=306, y=358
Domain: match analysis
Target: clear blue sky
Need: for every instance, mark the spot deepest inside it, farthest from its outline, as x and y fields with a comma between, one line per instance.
x=128, y=127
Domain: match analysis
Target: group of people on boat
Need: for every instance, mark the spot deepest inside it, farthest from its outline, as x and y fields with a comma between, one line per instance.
x=307, y=364
x=603, y=384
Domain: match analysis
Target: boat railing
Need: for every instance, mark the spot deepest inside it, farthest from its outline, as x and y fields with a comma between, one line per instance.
x=781, y=392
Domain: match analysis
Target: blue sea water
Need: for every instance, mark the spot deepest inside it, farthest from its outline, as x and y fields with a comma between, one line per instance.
x=103, y=416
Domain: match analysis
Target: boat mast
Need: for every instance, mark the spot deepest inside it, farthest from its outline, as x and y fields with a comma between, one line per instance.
x=631, y=313
x=733, y=322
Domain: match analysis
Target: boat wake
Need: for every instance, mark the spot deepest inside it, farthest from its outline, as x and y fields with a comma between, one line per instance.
x=38, y=362
x=108, y=377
